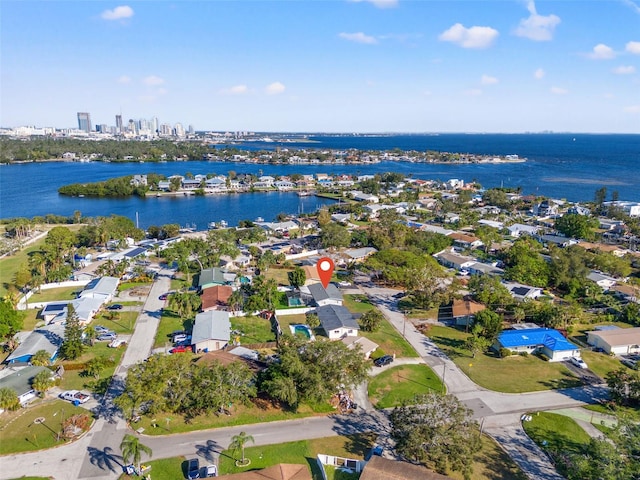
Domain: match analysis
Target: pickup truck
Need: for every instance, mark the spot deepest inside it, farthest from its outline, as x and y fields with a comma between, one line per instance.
x=75, y=396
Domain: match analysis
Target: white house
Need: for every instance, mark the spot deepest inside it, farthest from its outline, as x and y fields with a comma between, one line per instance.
x=337, y=321
x=523, y=292
x=603, y=281
x=614, y=340
x=517, y=229
x=325, y=296
x=103, y=288
x=19, y=380
x=211, y=331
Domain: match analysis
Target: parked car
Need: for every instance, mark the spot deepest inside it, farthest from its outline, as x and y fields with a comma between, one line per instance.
x=181, y=349
x=181, y=337
x=212, y=471
x=105, y=336
x=344, y=284
x=578, y=362
x=115, y=306
x=75, y=396
x=100, y=329
x=384, y=360
x=632, y=364
x=193, y=469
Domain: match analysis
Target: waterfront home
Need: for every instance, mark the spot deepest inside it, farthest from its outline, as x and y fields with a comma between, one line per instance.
x=164, y=185
x=603, y=281
x=215, y=298
x=454, y=184
x=139, y=181
x=211, y=331
x=614, y=340
x=216, y=184
x=366, y=346
x=337, y=321
x=283, y=185
x=364, y=197
x=47, y=338
x=191, y=184
x=630, y=208
x=546, y=208
x=547, y=341
x=464, y=311
x=20, y=380
x=278, y=227
x=523, y=292
x=517, y=229
x=325, y=296
x=267, y=179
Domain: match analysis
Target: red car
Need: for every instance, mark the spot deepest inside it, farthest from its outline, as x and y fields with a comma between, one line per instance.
x=181, y=349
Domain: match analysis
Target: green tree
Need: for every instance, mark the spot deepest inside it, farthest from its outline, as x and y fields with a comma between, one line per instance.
x=41, y=358
x=525, y=264
x=185, y=304
x=9, y=399
x=631, y=314
x=624, y=386
x=238, y=443
x=490, y=324
x=236, y=300
x=72, y=345
x=489, y=290
x=43, y=381
x=312, y=320
x=477, y=342
x=437, y=429
x=11, y=320
x=297, y=277
x=132, y=450
x=335, y=235
x=96, y=366
x=576, y=226
x=371, y=320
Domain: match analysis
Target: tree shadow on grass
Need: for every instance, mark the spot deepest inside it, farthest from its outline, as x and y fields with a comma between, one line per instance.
x=105, y=459
x=450, y=346
x=360, y=445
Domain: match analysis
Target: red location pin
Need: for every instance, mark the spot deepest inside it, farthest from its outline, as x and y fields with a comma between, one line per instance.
x=325, y=268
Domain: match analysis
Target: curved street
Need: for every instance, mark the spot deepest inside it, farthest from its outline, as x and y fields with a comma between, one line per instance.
x=97, y=454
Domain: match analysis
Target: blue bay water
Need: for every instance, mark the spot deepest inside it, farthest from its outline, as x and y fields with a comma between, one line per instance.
x=570, y=166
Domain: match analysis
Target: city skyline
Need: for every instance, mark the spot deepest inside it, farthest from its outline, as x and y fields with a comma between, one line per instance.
x=336, y=66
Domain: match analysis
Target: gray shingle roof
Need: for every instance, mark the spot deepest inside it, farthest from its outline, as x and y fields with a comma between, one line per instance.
x=333, y=317
x=47, y=338
x=319, y=293
x=214, y=325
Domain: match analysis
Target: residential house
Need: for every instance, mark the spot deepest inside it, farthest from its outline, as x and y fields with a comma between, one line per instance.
x=364, y=197
x=86, y=309
x=358, y=255
x=380, y=468
x=312, y=275
x=478, y=268
x=425, y=227
x=523, y=292
x=325, y=296
x=210, y=277
x=19, y=379
x=216, y=184
x=556, y=240
x=464, y=311
x=450, y=259
x=603, y=281
x=463, y=240
x=546, y=208
x=614, y=340
x=627, y=293
x=139, y=181
x=337, y=321
x=215, y=298
x=281, y=471
x=283, y=185
x=103, y=288
x=579, y=210
x=164, y=185
x=518, y=229
x=547, y=341
x=278, y=227
x=191, y=183
x=343, y=218
x=615, y=250
x=366, y=346
x=492, y=224
x=630, y=208
x=48, y=338
x=211, y=331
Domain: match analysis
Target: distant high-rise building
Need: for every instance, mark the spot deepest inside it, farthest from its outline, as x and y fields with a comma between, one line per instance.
x=155, y=125
x=191, y=131
x=84, y=121
x=133, y=128
x=179, y=130
x=119, y=123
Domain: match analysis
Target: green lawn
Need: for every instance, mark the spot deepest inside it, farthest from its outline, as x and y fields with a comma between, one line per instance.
x=561, y=434
x=53, y=294
x=31, y=319
x=601, y=363
x=616, y=410
x=390, y=341
x=75, y=380
x=254, y=330
x=401, y=384
x=117, y=321
x=10, y=264
x=164, y=469
x=130, y=285
x=514, y=374
x=22, y=435
x=170, y=322
x=279, y=274
x=259, y=411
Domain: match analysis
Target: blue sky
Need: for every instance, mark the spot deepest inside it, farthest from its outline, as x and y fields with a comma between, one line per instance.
x=331, y=66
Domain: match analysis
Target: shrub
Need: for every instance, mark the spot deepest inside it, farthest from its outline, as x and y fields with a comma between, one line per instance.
x=504, y=352
x=377, y=353
x=524, y=354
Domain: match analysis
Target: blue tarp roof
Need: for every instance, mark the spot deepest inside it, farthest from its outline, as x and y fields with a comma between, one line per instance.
x=548, y=337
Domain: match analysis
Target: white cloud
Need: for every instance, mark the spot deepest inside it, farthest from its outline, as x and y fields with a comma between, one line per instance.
x=162, y=91
x=153, y=81
x=634, y=6
x=235, y=90
x=602, y=52
x=274, y=88
x=124, y=79
x=473, y=37
x=358, y=37
x=118, y=13
x=537, y=27
x=488, y=80
x=473, y=92
x=379, y=3
x=539, y=74
x=624, y=70
x=632, y=109
x=559, y=91
x=633, y=47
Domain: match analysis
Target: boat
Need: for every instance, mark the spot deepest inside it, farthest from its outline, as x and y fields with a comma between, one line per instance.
x=259, y=219
x=305, y=193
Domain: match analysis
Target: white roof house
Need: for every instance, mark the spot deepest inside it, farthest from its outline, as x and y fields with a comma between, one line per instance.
x=603, y=281
x=103, y=288
x=617, y=341
x=211, y=331
x=518, y=229
x=48, y=338
x=523, y=292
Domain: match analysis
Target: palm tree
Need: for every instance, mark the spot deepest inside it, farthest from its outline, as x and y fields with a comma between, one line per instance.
x=237, y=444
x=236, y=300
x=132, y=449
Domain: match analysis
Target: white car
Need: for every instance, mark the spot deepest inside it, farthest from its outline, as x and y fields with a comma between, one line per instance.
x=578, y=362
x=117, y=342
x=75, y=396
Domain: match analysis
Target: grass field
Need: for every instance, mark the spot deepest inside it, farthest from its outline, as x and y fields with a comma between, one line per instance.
x=514, y=374
x=20, y=434
x=279, y=274
x=401, y=384
x=164, y=469
x=53, y=294
x=31, y=319
x=555, y=432
x=616, y=410
x=390, y=341
x=601, y=363
x=117, y=321
x=257, y=412
x=75, y=379
x=10, y=264
x=170, y=322
x=254, y=330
